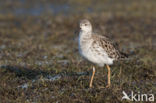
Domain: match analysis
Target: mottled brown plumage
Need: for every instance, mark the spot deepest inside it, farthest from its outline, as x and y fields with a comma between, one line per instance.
x=109, y=46
x=97, y=49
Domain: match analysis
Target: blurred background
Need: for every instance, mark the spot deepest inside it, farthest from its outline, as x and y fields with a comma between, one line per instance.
x=71, y=7
x=39, y=59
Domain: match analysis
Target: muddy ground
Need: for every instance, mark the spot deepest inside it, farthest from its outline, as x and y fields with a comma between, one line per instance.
x=39, y=59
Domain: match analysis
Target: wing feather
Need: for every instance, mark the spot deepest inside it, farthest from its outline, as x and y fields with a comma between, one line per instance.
x=109, y=46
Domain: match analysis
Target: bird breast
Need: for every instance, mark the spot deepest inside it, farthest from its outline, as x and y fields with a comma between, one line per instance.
x=94, y=54
x=84, y=45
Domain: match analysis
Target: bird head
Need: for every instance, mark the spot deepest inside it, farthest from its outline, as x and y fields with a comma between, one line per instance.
x=85, y=25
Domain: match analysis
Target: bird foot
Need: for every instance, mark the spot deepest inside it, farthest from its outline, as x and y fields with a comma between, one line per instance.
x=101, y=87
x=108, y=86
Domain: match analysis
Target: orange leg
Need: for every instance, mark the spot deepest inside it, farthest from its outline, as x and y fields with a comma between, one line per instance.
x=91, y=81
x=109, y=72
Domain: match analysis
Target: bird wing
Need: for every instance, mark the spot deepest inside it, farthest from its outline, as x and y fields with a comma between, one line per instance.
x=109, y=46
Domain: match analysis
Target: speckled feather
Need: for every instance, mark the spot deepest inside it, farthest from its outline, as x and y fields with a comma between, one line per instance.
x=108, y=46
x=96, y=48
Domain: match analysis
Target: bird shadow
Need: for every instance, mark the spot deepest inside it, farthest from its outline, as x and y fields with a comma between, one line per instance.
x=29, y=73
x=20, y=71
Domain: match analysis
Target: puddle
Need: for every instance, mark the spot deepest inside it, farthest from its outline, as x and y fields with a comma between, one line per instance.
x=24, y=86
x=52, y=78
x=47, y=78
x=23, y=7
x=35, y=8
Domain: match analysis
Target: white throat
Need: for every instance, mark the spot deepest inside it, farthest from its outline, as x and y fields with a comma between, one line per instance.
x=86, y=33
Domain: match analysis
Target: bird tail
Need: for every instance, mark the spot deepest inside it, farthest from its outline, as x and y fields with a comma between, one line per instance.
x=124, y=55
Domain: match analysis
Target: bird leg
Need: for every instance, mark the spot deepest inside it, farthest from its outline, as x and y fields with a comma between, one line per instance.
x=91, y=81
x=109, y=83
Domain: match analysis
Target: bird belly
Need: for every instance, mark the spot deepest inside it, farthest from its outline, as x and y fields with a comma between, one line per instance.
x=96, y=58
x=95, y=55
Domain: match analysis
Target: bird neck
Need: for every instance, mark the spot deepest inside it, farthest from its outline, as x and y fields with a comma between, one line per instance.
x=86, y=34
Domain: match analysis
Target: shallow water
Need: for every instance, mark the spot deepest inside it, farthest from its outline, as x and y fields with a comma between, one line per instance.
x=23, y=7
x=36, y=8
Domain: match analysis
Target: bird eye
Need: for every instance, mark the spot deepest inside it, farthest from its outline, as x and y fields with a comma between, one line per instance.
x=85, y=24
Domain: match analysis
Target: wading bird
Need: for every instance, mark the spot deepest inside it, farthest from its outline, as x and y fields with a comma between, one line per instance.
x=97, y=49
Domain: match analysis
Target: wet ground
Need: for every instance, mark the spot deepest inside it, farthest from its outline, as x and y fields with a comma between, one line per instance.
x=39, y=59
